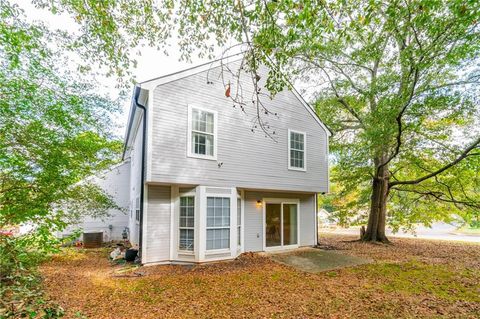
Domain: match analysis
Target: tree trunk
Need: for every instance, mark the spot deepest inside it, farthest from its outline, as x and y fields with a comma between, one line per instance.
x=378, y=207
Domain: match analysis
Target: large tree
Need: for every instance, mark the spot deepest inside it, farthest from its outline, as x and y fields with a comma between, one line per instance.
x=396, y=81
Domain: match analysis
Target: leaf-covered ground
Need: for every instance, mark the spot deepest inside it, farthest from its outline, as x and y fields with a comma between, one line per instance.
x=412, y=278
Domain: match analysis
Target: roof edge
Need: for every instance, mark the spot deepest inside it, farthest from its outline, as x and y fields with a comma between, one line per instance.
x=188, y=71
x=153, y=83
x=137, y=94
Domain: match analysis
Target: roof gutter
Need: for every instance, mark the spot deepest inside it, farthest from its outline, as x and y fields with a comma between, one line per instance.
x=142, y=177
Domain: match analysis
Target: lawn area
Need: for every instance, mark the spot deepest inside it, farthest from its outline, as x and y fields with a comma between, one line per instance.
x=469, y=231
x=411, y=278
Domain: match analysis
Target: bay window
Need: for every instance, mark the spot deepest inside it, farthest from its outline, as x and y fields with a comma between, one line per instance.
x=187, y=223
x=239, y=222
x=218, y=223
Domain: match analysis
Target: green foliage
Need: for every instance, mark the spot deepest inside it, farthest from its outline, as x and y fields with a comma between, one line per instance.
x=20, y=285
x=396, y=81
x=53, y=129
x=53, y=135
x=475, y=224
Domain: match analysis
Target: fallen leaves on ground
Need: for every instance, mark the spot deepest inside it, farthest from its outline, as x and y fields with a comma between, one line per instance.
x=410, y=278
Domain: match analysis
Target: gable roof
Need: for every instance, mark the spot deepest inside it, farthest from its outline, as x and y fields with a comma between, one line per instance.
x=153, y=83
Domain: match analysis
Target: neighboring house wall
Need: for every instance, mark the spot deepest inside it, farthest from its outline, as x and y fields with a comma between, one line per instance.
x=254, y=214
x=115, y=182
x=248, y=160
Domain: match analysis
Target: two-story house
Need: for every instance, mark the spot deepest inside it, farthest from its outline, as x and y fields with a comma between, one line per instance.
x=203, y=186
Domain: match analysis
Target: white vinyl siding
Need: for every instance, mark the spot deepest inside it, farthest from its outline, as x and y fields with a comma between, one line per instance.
x=253, y=220
x=218, y=223
x=157, y=224
x=114, y=182
x=250, y=160
x=202, y=133
x=296, y=150
x=187, y=223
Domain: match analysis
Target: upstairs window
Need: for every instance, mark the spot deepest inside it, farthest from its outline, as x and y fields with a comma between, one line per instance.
x=296, y=150
x=202, y=133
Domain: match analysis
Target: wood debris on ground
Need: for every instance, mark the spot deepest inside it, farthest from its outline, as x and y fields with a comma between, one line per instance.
x=411, y=278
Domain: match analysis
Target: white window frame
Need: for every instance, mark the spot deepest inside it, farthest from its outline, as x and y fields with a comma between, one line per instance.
x=239, y=226
x=183, y=251
x=190, y=132
x=229, y=227
x=137, y=210
x=304, y=151
x=280, y=201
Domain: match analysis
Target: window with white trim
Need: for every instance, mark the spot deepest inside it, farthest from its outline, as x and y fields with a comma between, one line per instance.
x=202, y=137
x=296, y=150
x=218, y=223
x=137, y=209
x=186, y=223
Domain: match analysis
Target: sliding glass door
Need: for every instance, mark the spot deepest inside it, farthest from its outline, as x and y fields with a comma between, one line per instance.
x=273, y=225
x=290, y=227
x=281, y=224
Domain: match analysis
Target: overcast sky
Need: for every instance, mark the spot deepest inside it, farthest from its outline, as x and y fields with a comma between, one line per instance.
x=151, y=63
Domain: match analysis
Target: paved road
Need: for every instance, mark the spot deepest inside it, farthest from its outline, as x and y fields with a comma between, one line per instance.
x=440, y=231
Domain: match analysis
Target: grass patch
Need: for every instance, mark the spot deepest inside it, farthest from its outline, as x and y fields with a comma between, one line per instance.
x=468, y=231
x=416, y=278
x=410, y=279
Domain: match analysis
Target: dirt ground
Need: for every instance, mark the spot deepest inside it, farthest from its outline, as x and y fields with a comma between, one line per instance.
x=409, y=279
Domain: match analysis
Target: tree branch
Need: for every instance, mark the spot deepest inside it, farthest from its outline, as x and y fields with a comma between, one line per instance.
x=398, y=119
x=340, y=99
x=440, y=196
x=463, y=155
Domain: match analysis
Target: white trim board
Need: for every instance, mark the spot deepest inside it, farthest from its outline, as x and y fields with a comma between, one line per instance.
x=293, y=168
x=213, y=157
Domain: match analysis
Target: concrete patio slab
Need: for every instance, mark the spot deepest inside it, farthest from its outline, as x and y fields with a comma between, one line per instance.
x=316, y=260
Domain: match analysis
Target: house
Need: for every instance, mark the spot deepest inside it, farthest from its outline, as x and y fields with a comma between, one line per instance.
x=204, y=187
x=115, y=182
